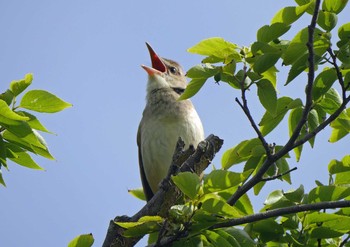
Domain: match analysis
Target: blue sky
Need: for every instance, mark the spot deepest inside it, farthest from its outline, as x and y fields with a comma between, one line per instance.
x=89, y=53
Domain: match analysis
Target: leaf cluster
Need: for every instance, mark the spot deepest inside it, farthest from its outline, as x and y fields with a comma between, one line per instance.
x=19, y=128
x=216, y=210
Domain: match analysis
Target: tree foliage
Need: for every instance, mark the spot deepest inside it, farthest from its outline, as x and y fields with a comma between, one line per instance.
x=19, y=129
x=216, y=211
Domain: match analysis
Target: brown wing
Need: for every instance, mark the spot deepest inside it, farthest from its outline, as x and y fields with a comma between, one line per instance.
x=146, y=188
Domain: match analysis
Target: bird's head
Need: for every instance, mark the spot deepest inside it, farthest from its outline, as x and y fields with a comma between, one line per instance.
x=164, y=73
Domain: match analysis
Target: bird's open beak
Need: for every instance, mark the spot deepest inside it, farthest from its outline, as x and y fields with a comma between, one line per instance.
x=158, y=67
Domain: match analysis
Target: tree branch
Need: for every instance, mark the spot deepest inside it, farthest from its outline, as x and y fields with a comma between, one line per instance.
x=282, y=211
x=308, y=104
x=167, y=194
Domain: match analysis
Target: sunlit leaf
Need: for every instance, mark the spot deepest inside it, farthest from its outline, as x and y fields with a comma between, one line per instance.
x=43, y=101
x=19, y=86
x=6, y=112
x=85, y=240
x=188, y=183
x=218, y=180
x=138, y=193
x=290, y=14
x=327, y=20
x=335, y=6
x=336, y=166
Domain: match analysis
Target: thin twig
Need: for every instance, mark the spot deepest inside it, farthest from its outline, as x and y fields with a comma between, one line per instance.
x=279, y=175
x=339, y=74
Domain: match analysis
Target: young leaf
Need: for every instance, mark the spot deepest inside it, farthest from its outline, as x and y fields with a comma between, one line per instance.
x=217, y=47
x=267, y=95
x=85, y=240
x=188, y=183
x=216, y=240
x=7, y=96
x=313, y=122
x=43, y=101
x=19, y=86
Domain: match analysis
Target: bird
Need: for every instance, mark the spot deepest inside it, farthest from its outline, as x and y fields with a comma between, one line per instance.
x=164, y=120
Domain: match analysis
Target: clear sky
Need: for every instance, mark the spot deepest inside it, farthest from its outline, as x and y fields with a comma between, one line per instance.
x=89, y=53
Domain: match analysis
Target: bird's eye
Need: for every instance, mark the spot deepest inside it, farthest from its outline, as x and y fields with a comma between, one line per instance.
x=173, y=70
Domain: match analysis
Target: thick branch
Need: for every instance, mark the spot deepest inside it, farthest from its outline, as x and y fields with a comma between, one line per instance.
x=167, y=194
x=282, y=211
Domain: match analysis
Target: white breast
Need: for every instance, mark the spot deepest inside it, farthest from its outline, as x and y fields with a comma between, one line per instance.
x=158, y=140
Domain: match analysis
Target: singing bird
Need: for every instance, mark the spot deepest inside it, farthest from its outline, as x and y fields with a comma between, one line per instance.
x=164, y=120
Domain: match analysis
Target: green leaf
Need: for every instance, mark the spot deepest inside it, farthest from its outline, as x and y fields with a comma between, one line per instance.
x=331, y=101
x=295, y=195
x=269, y=121
x=265, y=62
x=218, y=180
x=43, y=101
x=323, y=83
x=217, y=47
x=7, y=96
x=144, y=225
x=232, y=241
x=43, y=151
x=322, y=232
x=294, y=118
x=239, y=153
x=192, y=88
x=313, y=123
x=290, y=14
x=335, y=6
x=328, y=193
x=215, y=205
x=336, y=166
x=267, y=95
x=85, y=240
x=241, y=236
x=1, y=179
x=342, y=179
x=344, y=32
x=283, y=167
x=2, y=153
x=26, y=134
x=180, y=213
x=297, y=47
x=19, y=86
x=202, y=71
x=33, y=122
x=21, y=157
x=138, y=193
x=268, y=229
x=6, y=112
x=216, y=240
x=327, y=20
x=268, y=33
x=337, y=134
x=188, y=183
